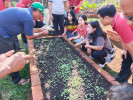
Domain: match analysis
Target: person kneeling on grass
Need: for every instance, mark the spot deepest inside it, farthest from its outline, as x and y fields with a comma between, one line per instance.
x=98, y=44
x=70, y=25
x=82, y=32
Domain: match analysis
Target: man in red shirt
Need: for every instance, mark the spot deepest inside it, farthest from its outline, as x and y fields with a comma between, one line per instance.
x=75, y=5
x=127, y=8
x=3, y=6
x=26, y=3
x=108, y=16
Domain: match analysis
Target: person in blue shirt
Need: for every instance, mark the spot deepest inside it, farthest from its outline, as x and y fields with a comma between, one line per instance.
x=13, y=21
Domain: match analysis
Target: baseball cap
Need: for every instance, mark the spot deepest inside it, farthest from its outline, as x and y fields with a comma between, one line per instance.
x=38, y=6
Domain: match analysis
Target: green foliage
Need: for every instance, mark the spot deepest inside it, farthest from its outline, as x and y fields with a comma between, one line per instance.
x=95, y=6
x=13, y=3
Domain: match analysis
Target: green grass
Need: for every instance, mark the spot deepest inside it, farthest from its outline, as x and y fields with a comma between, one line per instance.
x=11, y=91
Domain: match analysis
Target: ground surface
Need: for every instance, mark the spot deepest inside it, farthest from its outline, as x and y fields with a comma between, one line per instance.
x=65, y=75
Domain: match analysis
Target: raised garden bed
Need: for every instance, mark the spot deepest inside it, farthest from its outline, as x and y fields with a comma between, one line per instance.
x=65, y=73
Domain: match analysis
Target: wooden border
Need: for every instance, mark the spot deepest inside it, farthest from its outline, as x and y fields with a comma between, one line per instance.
x=37, y=93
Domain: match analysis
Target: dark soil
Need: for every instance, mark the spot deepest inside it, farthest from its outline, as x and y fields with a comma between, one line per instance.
x=65, y=75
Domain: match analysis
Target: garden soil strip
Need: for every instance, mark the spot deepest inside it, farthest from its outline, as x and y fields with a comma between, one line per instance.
x=60, y=79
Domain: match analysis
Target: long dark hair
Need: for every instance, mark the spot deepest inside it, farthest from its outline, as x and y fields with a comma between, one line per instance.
x=98, y=32
x=72, y=14
x=84, y=17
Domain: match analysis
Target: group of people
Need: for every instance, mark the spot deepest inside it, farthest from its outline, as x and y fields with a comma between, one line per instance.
x=27, y=18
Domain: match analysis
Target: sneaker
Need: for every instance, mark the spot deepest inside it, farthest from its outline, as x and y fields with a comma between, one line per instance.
x=102, y=65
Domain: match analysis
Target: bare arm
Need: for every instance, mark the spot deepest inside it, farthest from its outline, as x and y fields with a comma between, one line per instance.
x=87, y=41
x=8, y=4
x=50, y=10
x=36, y=35
x=12, y=63
x=77, y=44
x=74, y=38
x=99, y=48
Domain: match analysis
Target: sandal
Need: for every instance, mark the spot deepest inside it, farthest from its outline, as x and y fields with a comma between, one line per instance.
x=23, y=81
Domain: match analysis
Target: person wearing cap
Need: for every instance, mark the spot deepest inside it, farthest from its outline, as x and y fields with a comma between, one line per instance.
x=12, y=22
x=38, y=24
x=3, y=5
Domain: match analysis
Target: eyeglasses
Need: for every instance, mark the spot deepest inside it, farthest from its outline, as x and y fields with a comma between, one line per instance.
x=129, y=18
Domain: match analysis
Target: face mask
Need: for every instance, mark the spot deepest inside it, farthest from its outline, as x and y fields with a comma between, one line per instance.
x=89, y=30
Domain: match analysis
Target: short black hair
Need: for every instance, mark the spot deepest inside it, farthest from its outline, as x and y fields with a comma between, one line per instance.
x=33, y=9
x=121, y=92
x=107, y=10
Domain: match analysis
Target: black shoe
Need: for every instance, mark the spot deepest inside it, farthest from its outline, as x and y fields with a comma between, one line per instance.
x=52, y=33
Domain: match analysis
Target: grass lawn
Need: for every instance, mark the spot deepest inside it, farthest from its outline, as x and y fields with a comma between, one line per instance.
x=11, y=91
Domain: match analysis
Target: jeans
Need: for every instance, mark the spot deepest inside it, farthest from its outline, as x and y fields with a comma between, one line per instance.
x=79, y=40
x=69, y=34
x=99, y=55
x=125, y=72
x=58, y=21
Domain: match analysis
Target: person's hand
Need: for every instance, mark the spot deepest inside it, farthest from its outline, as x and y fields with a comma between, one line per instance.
x=63, y=34
x=51, y=17
x=73, y=33
x=124, y=53
x=86, y=46
x=77, y=44
x=70, y=39
x=41, y=29
x=89, y=51
x=16, y=62
x=44, y=33
x=5, y=55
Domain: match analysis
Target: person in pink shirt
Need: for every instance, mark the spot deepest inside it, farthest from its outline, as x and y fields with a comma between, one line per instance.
x=82, y=32
x=26, y=3
x=3, y=6
x=75, y=5
x=109, y=16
